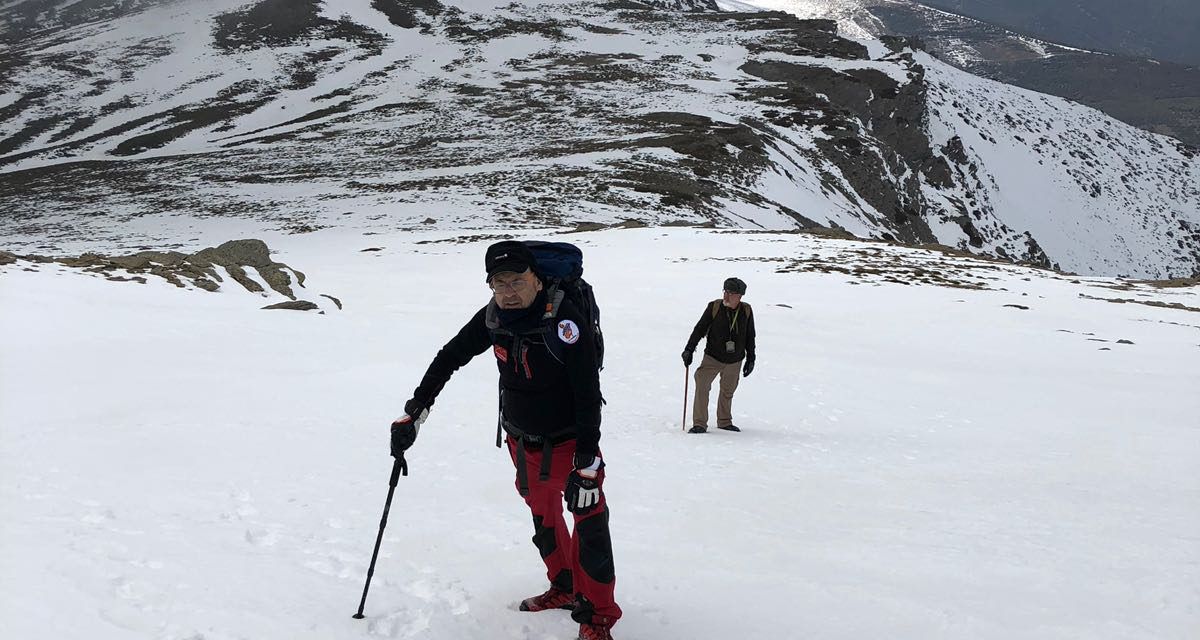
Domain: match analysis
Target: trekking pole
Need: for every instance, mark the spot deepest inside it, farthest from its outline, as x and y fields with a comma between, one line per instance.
x=686, y=370
x=398, y=467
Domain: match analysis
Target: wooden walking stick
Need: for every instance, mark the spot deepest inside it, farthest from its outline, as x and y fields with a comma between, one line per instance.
x=686, y=370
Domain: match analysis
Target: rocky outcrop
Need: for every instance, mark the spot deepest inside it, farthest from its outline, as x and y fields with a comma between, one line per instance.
x=199, y=269
x=294, y=305
x=873, y=133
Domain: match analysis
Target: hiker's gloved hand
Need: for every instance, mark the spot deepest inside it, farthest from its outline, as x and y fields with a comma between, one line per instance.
x=405, y=428
x=583, y=485
x=748, y=367
x=687, y=357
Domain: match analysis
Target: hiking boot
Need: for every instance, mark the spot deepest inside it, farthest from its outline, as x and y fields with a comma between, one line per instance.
x=697, y=429
x=554, y=598
x=595, y=632
x=729, y=427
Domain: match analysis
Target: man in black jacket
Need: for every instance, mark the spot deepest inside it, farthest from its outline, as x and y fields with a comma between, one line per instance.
x=550, y=411
x=728, y=324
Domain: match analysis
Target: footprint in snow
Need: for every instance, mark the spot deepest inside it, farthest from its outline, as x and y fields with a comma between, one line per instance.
x=131, y=603
x=98, y=516
x=243, y=506
x=432, y=591
x=336, y=564
x=127, y=589
x=261, y=537
x=406, y=623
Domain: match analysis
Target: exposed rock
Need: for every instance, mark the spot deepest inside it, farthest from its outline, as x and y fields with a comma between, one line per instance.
x=204, y=283
x=628, y=5
x=1149, y=303
x=293, y=305
x=684, y=5
x=894, y=144
x=279, y=23
x=250, y=253
x=1174, y=283
x=198, y=269
x=1034, y=255
x=278, y=279
x=335, y=300
x=404, y=13
x=816, y=38
x=897, y=44
x=236, y=254
x=831, y=232
x=954, y=150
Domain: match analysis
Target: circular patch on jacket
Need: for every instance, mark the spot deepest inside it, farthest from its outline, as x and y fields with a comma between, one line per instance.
x=568, y=332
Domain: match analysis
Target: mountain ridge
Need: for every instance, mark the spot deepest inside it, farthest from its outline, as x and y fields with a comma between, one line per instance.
x=561, y=114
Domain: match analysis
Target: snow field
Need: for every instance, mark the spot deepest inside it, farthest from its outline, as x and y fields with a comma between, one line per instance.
x=917, y=461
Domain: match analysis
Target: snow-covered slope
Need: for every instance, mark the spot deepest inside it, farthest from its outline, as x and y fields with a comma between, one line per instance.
x=403, y=113
x=1027, y=160
x=933, y=447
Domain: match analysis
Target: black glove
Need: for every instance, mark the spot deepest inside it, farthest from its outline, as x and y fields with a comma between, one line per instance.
x=748, y=367
x=405, y=429
x=583, y=485
x=687, y=357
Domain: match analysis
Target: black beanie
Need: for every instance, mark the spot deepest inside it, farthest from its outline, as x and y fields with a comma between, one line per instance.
x=735, y=285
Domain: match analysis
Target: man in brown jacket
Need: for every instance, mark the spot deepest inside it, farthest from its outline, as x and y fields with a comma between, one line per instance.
x=728, y=324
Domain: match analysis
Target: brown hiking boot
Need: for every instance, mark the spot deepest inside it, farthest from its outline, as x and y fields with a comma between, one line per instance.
x=554, y=598
x=595, y=632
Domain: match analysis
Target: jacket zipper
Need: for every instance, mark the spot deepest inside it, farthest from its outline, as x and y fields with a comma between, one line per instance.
x=525, y=361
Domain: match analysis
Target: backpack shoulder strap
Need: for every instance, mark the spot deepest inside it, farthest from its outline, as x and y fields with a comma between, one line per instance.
x=716, y=307
x=554, y=300
x=491, y=320
x=749, y=309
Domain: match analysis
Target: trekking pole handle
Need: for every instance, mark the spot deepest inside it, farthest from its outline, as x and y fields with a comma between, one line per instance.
x=400, y=467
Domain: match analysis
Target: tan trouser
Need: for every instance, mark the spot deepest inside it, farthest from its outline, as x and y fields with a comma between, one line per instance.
x=708, y=370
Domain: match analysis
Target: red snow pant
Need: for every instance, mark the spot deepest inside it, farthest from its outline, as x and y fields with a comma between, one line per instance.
x=581, y=560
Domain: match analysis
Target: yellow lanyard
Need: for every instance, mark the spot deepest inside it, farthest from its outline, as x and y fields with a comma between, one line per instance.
x=733, y=321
